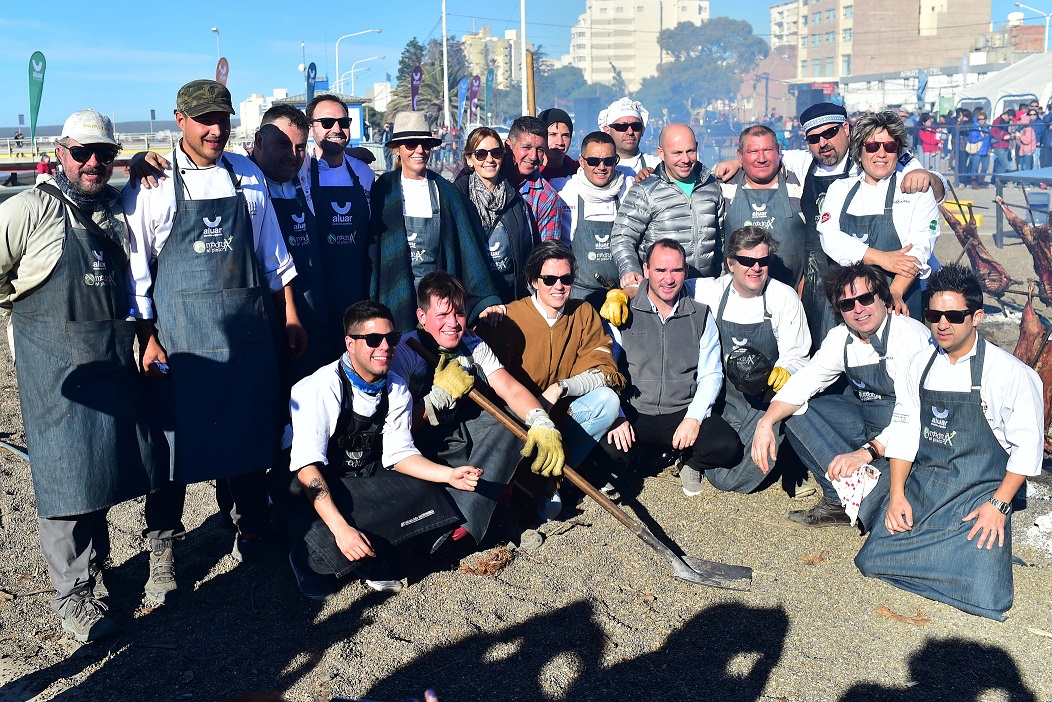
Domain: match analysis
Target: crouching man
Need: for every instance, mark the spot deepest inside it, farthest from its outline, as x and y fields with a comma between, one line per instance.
x=360, y=485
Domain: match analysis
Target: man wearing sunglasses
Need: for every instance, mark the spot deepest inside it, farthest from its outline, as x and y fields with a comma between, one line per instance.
x=763, y=338
x=62, y=267
x=359, y=486
x=625, y=120
x=968, y=430
x=835, y=435
x=211, y=276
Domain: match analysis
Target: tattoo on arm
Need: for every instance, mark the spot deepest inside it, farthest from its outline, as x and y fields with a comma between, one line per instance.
x=317, y=490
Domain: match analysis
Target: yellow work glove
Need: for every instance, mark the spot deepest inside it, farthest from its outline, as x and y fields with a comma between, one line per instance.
x=451, y=377
x=547, y=441
x=615, y=309
x=777, y=379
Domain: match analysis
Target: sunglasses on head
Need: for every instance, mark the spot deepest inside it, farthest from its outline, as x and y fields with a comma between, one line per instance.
x=327, y=122
x=550, y=280
x=103, y=153
x=412, y=144
x=373, y=340
x=827, y=134
x=749, y=262
x=483, y=154
x=890, y=147
x=848, y=303
x=952, y=316
x=594, y=161
x=625, y=126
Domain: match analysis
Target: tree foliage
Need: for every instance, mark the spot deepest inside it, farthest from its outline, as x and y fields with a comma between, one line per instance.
x=412, y=55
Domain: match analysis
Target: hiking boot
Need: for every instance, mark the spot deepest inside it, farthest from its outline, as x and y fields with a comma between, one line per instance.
x=823, y=514
x=161, y=584
x=85, y=618
x=376, y=576
x=99, y=590
x=691, y=479
x=314, y=586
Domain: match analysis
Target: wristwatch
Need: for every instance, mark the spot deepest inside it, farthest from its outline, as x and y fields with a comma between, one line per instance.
x=564, y=385
x=1002, y=507
x=872, y=450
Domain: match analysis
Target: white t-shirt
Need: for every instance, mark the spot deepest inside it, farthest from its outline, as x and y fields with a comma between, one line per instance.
x=416, y=198
x=593, y=211
x=338, y=175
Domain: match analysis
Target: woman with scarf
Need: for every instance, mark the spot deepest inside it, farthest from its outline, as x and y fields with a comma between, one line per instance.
x=502, y=212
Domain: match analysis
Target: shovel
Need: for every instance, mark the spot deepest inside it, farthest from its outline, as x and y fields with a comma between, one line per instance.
x=693, y=570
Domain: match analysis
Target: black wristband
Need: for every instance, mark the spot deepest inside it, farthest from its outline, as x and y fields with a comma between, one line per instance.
x=872, y=450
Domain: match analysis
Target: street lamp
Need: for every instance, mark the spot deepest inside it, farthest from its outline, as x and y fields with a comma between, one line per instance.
x=371, y=58
x=219, y=54
x=347, y=36
x=1046, y=15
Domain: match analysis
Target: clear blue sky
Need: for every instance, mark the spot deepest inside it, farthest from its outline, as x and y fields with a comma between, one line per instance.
x=124, y=58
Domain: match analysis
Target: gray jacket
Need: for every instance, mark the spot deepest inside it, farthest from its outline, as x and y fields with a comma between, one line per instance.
x=656, y=208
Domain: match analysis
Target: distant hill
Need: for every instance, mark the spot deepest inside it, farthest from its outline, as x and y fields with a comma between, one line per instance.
x=134, y=127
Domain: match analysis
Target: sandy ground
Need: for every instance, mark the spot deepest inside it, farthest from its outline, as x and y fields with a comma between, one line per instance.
x=591, y=615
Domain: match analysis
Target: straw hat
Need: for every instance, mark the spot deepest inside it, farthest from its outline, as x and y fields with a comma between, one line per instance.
x=412, y=126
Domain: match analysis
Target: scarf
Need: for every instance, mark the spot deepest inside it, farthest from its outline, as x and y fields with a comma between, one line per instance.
x=489, y=204
x=357, y=381
x=88, y=203
x=591, y=193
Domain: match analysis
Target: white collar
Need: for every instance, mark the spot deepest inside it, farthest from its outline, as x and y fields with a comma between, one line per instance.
x=544, y=315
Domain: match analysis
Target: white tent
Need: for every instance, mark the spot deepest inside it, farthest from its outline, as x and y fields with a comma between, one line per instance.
x=1022, y=81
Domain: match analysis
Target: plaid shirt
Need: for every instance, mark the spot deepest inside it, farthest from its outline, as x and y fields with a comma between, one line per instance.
x=545, y=208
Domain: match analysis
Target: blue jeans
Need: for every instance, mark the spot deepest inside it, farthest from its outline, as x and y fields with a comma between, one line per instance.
x=978, y=165
x=588, y=420
x=1002, y=160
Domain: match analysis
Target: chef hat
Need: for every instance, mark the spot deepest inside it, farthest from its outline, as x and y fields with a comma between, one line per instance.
x=623, y=107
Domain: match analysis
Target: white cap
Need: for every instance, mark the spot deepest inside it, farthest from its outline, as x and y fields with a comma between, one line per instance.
x=89, y=127
x=624, y=107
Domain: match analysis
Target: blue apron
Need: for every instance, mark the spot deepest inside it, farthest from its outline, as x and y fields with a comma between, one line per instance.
x=212, y=320
x=83, y=404
x=820, y=318
x=299, y=230
x=591, y=248
x=959, y=466
x=424, y=235
x=342, y=218
x=742, y=412
x=771, y=209
x=878, y=231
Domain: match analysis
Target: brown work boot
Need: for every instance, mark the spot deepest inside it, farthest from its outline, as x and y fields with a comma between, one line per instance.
x=823, y=514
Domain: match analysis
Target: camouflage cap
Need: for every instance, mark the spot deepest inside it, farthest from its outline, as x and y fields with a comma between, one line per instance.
x=200, y=97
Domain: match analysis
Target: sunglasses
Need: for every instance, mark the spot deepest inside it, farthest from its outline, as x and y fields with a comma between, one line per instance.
x=413, y=144
x=327, y=122
x=483, y=154
x=373, y=340
x=952, y=316
x=594, y=161
x=848, y=303
x=749, y=262
x=550, y=280
x=625, y=126
x=103, y=153
x=890, y=147
x=827, y=134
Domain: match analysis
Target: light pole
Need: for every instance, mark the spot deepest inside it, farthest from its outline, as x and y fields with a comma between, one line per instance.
x=303, y=70
x=347, y=36
x=1046, y=15
x=353, y=69
x=445, y=69
x=219, y=54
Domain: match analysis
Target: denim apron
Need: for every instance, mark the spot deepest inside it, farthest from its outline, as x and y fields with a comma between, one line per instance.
x=82, y=401
x=878, y=231
x=820, y=317
x=388, y=506
x=424, y=235
x=342, y=213
x=591, y=248
x=771, y=209
x=212, y=320
x=959, y=466
x=298, y=228
x=742, y=412
x=838, y=424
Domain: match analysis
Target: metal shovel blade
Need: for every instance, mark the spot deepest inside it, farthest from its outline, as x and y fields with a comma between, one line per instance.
x=722, y=575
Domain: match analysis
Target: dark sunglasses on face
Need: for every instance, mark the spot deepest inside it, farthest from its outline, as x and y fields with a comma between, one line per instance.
x=373, y=340
x=625, y=126
x=749, y=262
x=827, y=134
x=327, y=122
x=890, y=147
x=952, y=316
x=594, y=161
x=550, y=280
x=483, y=154
x=412, y=144
x=103, y=153
x=848, y=303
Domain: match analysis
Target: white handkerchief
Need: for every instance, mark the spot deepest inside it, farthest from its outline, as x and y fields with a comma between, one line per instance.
x=854, y=488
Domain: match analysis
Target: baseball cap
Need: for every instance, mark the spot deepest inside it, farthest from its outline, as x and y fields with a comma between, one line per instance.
x=89, y=127
x=199, y=97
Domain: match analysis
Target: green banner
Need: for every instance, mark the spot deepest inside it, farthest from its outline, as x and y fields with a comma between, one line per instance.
x=487, y=106
x=37, y=64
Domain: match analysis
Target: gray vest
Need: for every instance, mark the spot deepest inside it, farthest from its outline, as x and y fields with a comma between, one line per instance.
x=660, y=361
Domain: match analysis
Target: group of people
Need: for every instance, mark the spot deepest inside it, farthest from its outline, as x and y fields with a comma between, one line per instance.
x=312, y=339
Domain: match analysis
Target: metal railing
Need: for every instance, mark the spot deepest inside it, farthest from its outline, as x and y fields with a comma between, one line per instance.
x=12, y=148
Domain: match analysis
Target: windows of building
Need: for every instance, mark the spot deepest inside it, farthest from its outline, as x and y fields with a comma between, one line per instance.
x=845, y=65
x=849, y=11
x=846, y=35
